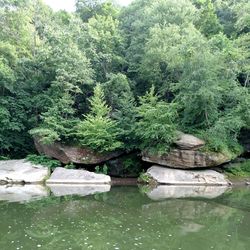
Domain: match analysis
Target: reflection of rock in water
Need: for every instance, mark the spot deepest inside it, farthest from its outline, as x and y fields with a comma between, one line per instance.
x=187, y=209
x=164, y=192
x=18, y=193
x=190, y=227
x=82, y=190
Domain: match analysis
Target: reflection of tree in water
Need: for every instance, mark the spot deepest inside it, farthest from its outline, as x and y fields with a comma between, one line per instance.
x=125, y=218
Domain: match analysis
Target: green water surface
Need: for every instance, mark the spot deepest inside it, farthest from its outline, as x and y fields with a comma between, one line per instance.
x=125, y=218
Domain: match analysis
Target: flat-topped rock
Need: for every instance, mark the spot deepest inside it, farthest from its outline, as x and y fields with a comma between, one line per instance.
x=186, y=177
x=77, y=189
x=22, y=171
x=186, y=159
x=67, y=154
x=75, y=176
x=22, y=193
x=189, y=142
x=162, y=192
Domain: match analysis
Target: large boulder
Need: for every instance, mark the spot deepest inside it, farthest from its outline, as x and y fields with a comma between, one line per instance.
x=175, y=192
x=75, y=176
x=189, y=142
x=187, y=159
x=170, y=176
x=187, y=155
x=22, y=171
x=67, y=154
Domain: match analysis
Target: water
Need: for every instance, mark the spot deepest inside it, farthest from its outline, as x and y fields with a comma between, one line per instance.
x=124, y=218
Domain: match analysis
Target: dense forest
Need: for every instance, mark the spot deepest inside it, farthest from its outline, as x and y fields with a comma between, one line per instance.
x=109, y=77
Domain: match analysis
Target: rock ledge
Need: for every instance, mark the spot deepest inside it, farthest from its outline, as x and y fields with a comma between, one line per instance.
x=67, y=154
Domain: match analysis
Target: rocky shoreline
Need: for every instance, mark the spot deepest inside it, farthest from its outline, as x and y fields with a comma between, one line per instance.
x=185, y=171
x=17, y=185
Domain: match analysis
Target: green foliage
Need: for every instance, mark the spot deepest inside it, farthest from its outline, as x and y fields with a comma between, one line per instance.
x=103, y=43
x=120, y=98
x=144, y=178
x=208, y=22
x=43, y=160
x=13, y=120
x=4, y=158
x=58, y=121
x=98, y=131
x=195, y=53
x=132, y=165
x=239, y=169
x=101, y=170
x=155, y=129
x=222, y=136
x=90, y=8
x=70, y=166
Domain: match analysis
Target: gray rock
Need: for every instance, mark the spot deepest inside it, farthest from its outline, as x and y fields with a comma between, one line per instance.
x=82, y=190
x=186, y=177
x=22, y=171
x=18, y=193
x=189, y=142
x=186, y=159
x=74, y=176
x=174, y=192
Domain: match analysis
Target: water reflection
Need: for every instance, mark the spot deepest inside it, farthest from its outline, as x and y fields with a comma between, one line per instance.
x=81, y=190
x=125, y=218
x=22, y=193
x=166, y=192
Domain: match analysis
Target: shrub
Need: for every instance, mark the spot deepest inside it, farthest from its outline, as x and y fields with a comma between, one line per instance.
x=101, y=170
x=239, y=169
x=43, y=160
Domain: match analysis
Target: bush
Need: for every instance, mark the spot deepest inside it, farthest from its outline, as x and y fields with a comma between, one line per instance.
x=43, y=160
x=239, y=169
x=101, y=170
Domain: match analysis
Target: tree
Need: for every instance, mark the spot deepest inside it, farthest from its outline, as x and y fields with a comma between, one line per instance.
x=195, y=53
x=58, y=122
x=8, y=63
x=120, y=98
x=161, y=13
x=156, y=127
x=166, y=51
x=98, y=131
x=103, y=44
x=90, y=8
x=208, y=22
